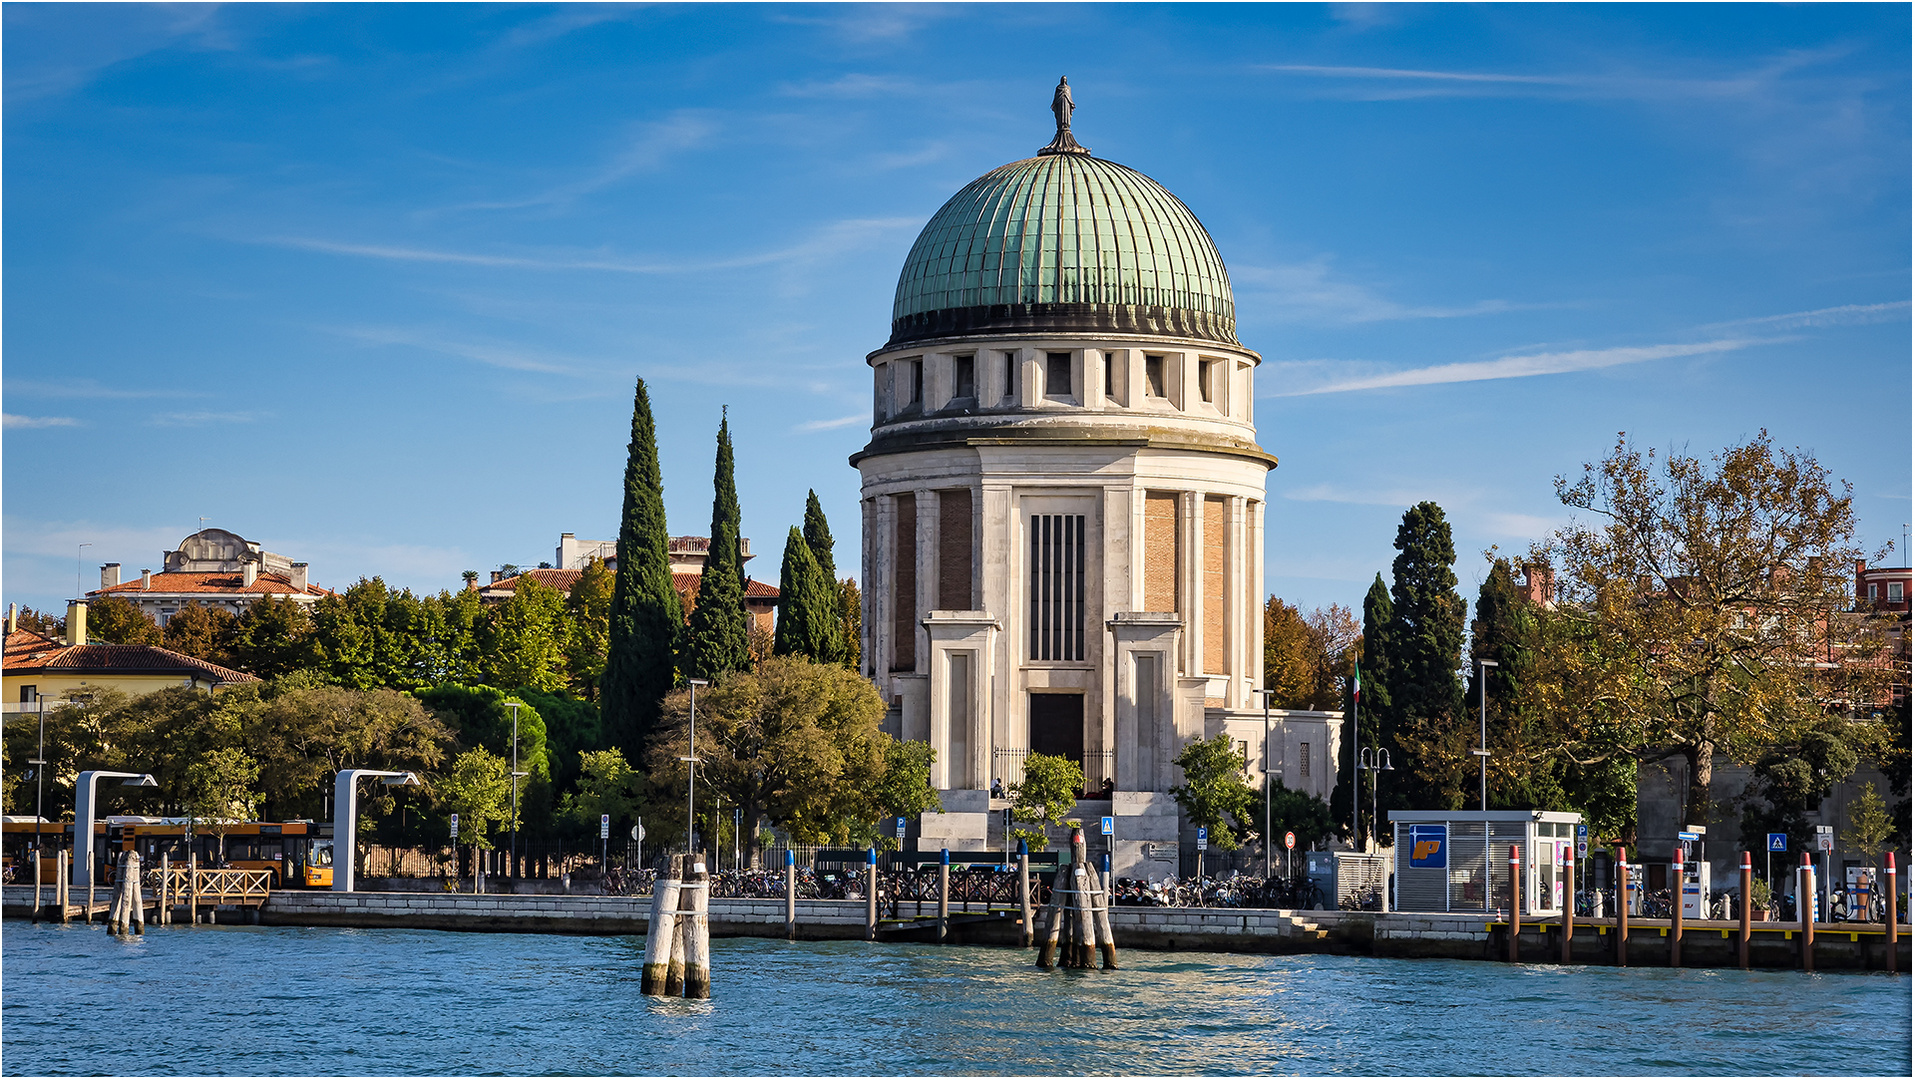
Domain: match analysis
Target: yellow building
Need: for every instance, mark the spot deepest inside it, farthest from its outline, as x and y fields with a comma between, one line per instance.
x=37, y=667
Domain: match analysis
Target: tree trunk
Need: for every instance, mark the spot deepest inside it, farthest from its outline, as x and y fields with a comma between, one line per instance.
x=1701, y=759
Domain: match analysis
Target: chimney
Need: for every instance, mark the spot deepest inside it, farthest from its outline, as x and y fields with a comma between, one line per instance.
x=13, y=617
x=299, y=577
x=109, y=575
x=248, y=573
x=496, y=575
x=146, y=579
x=76, y=622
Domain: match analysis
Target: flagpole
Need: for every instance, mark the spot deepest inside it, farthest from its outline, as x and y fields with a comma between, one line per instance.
x=1356, y=738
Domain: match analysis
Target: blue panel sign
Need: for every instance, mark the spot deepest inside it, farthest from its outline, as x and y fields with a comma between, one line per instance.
x=1778, y=841
x=900, y=828
x=1110, y=824
x=1203, y=837
x=1582, y=840
x=1430, y=847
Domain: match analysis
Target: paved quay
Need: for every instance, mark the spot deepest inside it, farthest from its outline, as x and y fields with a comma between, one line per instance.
x=1705, y=943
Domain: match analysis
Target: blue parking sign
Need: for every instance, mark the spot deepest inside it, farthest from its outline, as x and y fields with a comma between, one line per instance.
x=1778, y=841
x=1203, y=837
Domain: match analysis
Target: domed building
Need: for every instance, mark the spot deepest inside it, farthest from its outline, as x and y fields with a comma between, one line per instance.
x=1063, y=502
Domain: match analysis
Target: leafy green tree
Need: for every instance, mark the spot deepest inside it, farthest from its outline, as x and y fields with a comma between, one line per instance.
x=447, y=638
x=1046, y=795
x=273, y=637
x=478, y=788
x=1524, y=772
x=302, y=734
x=524, y=639
x=1215, y=794
x=1368, y=723
x=606, y=785
x=794, y=741
x=1869, y=825
x=115, y=620
x=1425, y=726
x=589, y=606
x=646, y=614
x=818, y=539
x=482, y=716
x=1788, y=782
x=807, y=607
x=904, y=789
x=715, y=640
x=1699, y=592
x=198, y=630
x=572, y=727
x=851, y=622
x=361, y=636
x=222, y=792
x=1292, y=811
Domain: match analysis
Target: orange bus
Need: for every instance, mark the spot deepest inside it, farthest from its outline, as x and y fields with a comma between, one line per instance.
x=298, y=853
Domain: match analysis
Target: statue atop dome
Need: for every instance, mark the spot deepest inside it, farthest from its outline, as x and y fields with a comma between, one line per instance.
x=1062, y=106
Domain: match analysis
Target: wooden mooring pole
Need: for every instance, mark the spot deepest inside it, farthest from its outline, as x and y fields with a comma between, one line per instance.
x=1888, y=872
x=36, y=879
x=1742, y=935
x=192, y=888
x=62, y=885
x=1515, y=901
x=1622, y=906
x=1675, y=911
x=697, y=929
x=871, y=894
x=1047, y=930
x=944, y=896
x=791, y=896
x=659, y=932
x=1805, y=907
x=1569, y=899
x=1024, y=893
x=675, y=964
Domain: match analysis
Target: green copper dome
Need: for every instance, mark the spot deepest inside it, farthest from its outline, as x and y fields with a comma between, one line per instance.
x=1063, y=242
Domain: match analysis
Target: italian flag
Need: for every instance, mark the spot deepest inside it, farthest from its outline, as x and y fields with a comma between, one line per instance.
x=1356, y=683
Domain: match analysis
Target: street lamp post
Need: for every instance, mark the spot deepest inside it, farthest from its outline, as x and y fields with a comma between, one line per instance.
x=345, y=822
x=514, y=706
x=1374, y=760
x=691, y=764
x=1482, y=739
x=85, y=790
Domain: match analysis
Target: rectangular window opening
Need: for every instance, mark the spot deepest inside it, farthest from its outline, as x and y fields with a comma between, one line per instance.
x=1110, y=378
x=1057, y=586
x=1010, y=376
x=914, y=379
x=1154, y=377
x=1303, y=759
x=1894, y=592
x=1057, y=374
x=964, y=377
x=1206, y=380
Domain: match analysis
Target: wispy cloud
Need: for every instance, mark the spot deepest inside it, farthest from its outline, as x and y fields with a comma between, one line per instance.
x=1518, y=367
x=853, y=85
x=829, y=239
x=566, y=20
x=832, y=425
x=12, y=420
x=1414, y=74
x=1843, y=315
x=1313, y=292
x=491, y=354
x=646, y=149
x=1331, y=493
x=204, y=418
x=88, y=388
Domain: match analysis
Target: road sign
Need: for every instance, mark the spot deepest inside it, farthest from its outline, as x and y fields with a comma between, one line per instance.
x=1203, y=838
x=1582, y=840
x=455, y=826
x=1688, y=836
x=604, y=826
x=638, y=829
x=1289, y=841
x=1825, y=841
x=1110, y=824
x=900, y=828
x=1778, y=841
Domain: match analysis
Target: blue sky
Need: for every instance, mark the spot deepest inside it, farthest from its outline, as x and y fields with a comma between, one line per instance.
x=370, y=284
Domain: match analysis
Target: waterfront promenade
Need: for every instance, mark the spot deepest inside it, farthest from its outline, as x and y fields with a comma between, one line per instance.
x=1706, y=943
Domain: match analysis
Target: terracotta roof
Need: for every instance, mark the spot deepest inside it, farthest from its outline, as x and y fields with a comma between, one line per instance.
x=218, y=582
x=109, y=660
x=562, y=580
x=27, y=640
x=754, y=589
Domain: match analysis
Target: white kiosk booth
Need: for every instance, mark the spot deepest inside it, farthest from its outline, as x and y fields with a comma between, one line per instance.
x=1458, y=860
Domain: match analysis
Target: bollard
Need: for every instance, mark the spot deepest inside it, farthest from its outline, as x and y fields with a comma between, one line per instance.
x=791, y=896
x=1675, y=913
x=1569, y=898
x=871, y=894
x=1742, y=940
x=1024, y=892
x=660, y=931
x=697, y=930
x=1805, y=907
x=1515, y=900
x=944, y=896
x=1622, y=906
x=1888, y=912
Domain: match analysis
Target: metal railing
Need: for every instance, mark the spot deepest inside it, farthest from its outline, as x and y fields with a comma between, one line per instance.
x=1099, y=765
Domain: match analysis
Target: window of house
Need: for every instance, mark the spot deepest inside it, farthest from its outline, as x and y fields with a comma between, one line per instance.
x=1057, y=586
x=1154, y=376
x=1243, y=751
x=28, y=694
x=1206, y=379
x=1010, y=376
x=964, y=377
x=1303, y=759
x=1110, y=378
x=1057, y=374
x=1894, y=592
x=914, y=382
x=1871, y=592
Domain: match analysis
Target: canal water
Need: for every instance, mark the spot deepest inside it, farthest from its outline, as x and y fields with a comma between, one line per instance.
x=286, y=1001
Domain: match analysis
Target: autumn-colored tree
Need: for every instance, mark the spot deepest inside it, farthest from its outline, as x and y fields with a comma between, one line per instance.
x=1697, y=599
x=202, y=631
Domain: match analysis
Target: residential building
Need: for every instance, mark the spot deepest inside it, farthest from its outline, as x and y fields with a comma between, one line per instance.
x=214, y=568
x=37, y=668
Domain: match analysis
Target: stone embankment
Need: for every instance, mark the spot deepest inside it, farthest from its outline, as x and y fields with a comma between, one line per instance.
x=1240, y=930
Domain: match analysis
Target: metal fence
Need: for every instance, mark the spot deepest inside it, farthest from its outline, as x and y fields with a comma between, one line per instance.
x=1098, y=765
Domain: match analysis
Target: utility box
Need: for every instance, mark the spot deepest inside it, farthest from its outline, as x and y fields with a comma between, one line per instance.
x=1321, y=867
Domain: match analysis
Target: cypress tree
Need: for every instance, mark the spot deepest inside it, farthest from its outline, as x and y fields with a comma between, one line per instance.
x=715, y=639
x=1366, y=725
x=1426, y=648
x=807, y=605
x=818, y=539
x=645, y=612
x=1503, y=633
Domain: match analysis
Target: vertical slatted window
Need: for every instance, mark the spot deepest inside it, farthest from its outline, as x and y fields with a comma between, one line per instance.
x=1057, y=586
